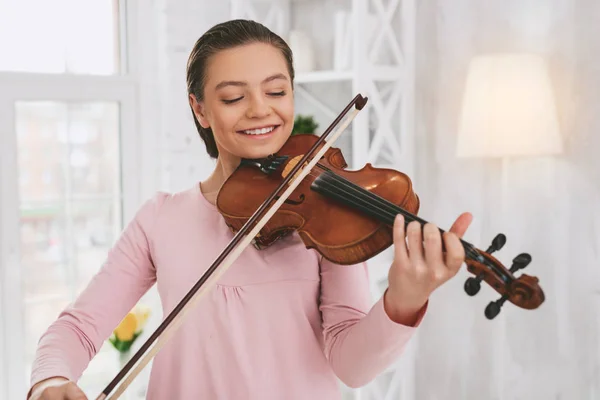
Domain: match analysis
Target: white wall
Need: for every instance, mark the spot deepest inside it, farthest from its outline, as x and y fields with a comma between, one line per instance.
x=552, y=207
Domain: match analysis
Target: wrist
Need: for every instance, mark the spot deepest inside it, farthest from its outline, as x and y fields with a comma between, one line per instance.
x=401, y=311
x=39, y=387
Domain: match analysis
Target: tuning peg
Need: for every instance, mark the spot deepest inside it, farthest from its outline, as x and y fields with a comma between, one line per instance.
x=473, y=285
x=520, y=262
x=497, y=243
x=493, y=309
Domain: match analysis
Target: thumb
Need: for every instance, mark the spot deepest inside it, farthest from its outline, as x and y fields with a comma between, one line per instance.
x=459, y=227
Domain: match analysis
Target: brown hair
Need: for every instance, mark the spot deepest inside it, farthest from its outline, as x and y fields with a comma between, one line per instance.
x=224, y=36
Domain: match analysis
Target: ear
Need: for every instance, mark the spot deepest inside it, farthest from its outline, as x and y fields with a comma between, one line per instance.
x=199, y=111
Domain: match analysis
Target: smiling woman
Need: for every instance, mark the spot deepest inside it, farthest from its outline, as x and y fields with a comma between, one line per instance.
x=283, y=322
x=256, y=108
x=225, y=107
x=241, y=109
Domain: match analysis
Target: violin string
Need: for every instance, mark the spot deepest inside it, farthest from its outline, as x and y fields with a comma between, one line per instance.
x=392, y=209
x=388, y=214
x=384, y=208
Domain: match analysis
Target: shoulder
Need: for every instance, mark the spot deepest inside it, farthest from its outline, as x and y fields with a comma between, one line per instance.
x=169, y=204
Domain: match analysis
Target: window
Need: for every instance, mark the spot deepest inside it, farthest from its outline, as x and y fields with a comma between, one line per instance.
x=60, y=36
x=69, y=167
x=69, y=205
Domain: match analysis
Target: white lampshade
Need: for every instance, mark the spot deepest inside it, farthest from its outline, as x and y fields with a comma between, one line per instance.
x=508, y=108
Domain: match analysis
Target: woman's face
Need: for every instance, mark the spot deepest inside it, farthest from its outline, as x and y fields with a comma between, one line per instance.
x=248, y=101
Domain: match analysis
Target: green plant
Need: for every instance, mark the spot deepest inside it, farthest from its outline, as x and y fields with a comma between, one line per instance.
x=304, y=124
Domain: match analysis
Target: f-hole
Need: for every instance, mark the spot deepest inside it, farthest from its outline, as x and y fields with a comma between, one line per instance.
x=300, y=200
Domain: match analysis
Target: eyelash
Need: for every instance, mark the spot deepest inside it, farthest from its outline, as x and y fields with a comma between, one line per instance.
x=276, y=94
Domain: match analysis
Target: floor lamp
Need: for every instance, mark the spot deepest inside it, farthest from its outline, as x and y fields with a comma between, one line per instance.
x=508, y=110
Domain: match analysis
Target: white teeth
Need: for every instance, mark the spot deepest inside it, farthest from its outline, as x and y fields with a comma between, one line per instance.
x=259, y=131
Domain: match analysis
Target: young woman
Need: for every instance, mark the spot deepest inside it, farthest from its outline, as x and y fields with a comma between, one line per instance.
x=282, y=323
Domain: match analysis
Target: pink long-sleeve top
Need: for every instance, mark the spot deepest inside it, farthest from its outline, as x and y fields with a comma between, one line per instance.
x=282, y=323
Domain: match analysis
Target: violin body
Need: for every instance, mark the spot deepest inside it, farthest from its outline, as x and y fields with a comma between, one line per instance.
x=341, y=233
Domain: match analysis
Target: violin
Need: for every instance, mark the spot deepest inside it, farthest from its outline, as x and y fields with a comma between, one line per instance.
x=348, y=216
x=345, y=215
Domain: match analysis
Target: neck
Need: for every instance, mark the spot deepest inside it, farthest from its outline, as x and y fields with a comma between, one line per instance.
x=210, y=187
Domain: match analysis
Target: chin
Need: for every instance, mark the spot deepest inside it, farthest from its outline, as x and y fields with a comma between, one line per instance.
x=261, y=152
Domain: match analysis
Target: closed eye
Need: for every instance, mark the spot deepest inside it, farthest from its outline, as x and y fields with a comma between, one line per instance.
x=276, y=94
x=232, y=100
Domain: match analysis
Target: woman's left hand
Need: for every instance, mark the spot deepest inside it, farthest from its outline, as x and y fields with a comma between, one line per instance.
x=421, y=267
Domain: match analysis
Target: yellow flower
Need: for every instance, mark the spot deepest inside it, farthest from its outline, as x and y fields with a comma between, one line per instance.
x=126, y=328
x=133, y=323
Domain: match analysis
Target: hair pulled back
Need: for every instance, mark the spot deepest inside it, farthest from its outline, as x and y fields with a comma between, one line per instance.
x=226, y=35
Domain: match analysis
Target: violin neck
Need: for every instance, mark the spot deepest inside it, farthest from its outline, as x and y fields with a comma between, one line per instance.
x=338, y=188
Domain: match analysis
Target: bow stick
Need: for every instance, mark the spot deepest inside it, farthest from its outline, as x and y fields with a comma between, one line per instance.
x=240, y=241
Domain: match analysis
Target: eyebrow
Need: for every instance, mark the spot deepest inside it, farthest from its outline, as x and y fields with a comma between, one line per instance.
x=240, y=83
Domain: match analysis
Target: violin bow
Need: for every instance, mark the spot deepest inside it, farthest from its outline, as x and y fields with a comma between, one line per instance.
x=240, y=241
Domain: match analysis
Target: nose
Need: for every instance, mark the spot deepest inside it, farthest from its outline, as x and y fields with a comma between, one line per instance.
x=258, y=107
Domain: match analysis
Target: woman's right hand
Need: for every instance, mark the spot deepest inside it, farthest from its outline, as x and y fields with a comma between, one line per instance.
x=57, y=389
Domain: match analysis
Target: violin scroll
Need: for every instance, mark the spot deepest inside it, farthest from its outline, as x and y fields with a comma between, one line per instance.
x=523, y=291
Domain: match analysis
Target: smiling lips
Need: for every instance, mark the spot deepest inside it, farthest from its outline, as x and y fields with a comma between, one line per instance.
x=259, y=131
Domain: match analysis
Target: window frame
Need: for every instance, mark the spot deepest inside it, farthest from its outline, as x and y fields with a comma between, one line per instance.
x=136, y=157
